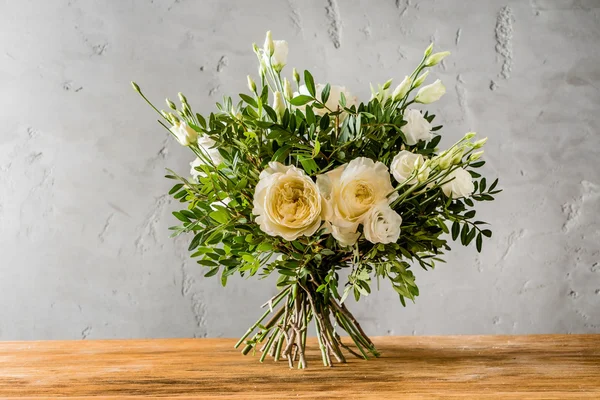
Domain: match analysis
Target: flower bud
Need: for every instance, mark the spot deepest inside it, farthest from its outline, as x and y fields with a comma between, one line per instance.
x=278, y=104
x=136, y=87
x=420, y=79
x=171, y=105
x=469, y=135
x=255, y=48
x=296, y=76
x=457, y=156
x=444, y=160
x=478, y=144
x=387, y=85
x=430, y=93
x=401, y=89
x=428, y=50
x=269, y=46
x=436, y=58
x=251, y=84
x=182, y=98
x=475, y=156
x=287, y=89
x=184, y=134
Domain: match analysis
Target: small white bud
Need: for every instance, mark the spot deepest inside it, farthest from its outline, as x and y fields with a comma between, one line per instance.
x=428, y=50
x=296, y=76
x=269, y=46
x=420, y=79
x=287, y=89
x=278, y=104
x=478, y=144
x=182, y=98
x=171, y=105
x=475, y=156
x=434, y=59
x=430, y=93
x=251, y=84
x=469, y=135
x=401, y=89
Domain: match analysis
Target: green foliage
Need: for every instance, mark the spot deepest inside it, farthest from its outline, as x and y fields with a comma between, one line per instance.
x=225, y=239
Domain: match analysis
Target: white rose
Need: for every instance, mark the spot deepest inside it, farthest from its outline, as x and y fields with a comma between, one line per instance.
x=382, y=224
x=184, y=134
x=287, y=202
x=335, y=94
x=351, y=190
x=430, y=93
x=458, y=183
x=403, y=165
x=417, y=127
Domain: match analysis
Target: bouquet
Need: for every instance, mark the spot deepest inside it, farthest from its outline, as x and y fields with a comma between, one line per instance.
x=302, y=180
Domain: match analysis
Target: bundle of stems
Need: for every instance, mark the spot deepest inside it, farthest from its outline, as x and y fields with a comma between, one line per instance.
x=283, y=336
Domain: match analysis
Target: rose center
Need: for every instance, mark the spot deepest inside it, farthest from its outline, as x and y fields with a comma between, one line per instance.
x=292, y=204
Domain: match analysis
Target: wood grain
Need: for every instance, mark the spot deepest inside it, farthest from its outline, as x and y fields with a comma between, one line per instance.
x=478, y=367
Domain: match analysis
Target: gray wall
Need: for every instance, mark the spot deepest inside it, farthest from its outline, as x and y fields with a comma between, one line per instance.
x=84, y=244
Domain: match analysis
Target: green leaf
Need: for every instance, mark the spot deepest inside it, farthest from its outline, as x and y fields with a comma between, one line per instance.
x=493, y=186
x=316, y=149
x=324, y=123
x=212, y=272
x=342, y=99
x=176, y=188
x=249, y=100
x=325, y=93
x=271, y=113
x=455, y=230
x=180, y=216
x=482, y=185
x=300, y=100
x=486, y=233
x=479, y=242
x=220, y=216
x=207, y=263
x=310, y=83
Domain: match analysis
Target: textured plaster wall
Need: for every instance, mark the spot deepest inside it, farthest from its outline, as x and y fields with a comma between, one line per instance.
x=84, y=247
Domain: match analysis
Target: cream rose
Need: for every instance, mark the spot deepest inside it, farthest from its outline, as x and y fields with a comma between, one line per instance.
x=404, y=164
x=458, y=183
x=287, y=202
x=417, y=127
x=350, y=191
x=382, y=224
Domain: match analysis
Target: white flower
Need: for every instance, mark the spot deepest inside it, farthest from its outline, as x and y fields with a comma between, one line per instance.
x=335, y=94
x=184, y=133
x=193, y=171
x=287, y=202
x=279, y=57
x=345, y=236
x=207, y=146
x=402, y=89
x=382, y=224
x=430, y=93
x=404, y=164
x=417, y=127
x=458, y=184
x=350, y=191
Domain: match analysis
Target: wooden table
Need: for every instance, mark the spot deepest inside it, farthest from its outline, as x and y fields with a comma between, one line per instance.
x=478, y=367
